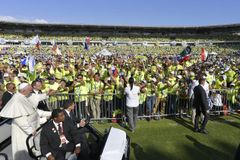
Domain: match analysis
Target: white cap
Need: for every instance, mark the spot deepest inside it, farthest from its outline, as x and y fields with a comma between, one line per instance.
x=154, y=79
x=6, y=75
x=179, y=76
x=22, y=86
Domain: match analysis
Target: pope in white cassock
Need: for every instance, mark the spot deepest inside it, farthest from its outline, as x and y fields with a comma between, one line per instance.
x=22, y=109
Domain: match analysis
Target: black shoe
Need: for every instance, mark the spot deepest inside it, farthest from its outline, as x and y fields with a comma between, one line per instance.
x=203, y=131
x=196, y=130
x=148, y=119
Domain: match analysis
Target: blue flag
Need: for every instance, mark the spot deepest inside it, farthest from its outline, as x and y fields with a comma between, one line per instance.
x=86, y=46
x=24, y=61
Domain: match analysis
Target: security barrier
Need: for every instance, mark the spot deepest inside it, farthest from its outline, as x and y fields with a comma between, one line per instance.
x=112, y=107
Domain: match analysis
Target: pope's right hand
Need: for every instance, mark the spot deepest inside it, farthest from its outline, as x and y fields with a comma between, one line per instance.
x=50, y=157
x=51, y=92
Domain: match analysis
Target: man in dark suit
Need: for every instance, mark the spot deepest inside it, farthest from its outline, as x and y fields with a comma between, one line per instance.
x=201, y=104
x=37, y=86
x=59, y=137
x=11, y=89
x=80, y=124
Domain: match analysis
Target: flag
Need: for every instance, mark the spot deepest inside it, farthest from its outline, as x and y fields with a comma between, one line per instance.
x=86, y=43
x=31, y=64
x=36, y=41
x=38, y=45
x=204, y=55
x=56, y=50
x=54, y=46
x=24, y=61
x=184, y=55
x=114, y=71
x=87, y=40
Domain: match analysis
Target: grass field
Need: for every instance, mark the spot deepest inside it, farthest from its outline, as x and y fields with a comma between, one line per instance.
x=173, y=139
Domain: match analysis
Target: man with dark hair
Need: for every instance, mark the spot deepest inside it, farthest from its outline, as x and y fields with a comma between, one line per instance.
x=59, y=137
x=37, y=89
x=11, y=89
x=201, y=104
x=69, y=115
x=80, y=124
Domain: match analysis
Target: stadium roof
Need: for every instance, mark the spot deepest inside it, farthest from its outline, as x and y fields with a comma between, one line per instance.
x=42, y=28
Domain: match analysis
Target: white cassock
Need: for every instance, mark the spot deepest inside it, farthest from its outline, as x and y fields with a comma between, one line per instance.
x=25, y=120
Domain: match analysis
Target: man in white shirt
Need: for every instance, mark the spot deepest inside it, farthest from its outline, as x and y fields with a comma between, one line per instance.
x=82, y=130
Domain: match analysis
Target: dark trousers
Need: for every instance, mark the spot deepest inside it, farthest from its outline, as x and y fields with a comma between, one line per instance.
x=85, y=150
x=141, y=109
x=61, y=152
x=171, y=104
x=107, y=109
x=205, y=120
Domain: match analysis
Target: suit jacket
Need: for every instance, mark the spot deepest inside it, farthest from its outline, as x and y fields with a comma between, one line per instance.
x=6, y=97
x=42, y=104
x=200, y=98
x=50, y=140
x=74, y=120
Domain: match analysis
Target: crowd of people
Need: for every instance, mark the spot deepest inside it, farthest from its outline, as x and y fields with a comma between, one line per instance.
x=121, y=37
x=101, y=79
x=80, y=84
x=165, y=50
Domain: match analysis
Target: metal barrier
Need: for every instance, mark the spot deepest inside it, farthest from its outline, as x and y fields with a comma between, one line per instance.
x=110, y=106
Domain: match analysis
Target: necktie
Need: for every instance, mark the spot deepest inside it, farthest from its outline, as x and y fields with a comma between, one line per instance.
x=62, y=137
x=60, y=129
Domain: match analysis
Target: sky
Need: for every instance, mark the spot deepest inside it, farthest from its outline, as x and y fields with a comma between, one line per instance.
x=123, y=12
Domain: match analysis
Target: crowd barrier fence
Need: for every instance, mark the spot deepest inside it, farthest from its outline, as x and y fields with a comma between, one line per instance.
x=113, y=107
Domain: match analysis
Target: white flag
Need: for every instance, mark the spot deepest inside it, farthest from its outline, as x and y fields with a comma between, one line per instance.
x=31, y=63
